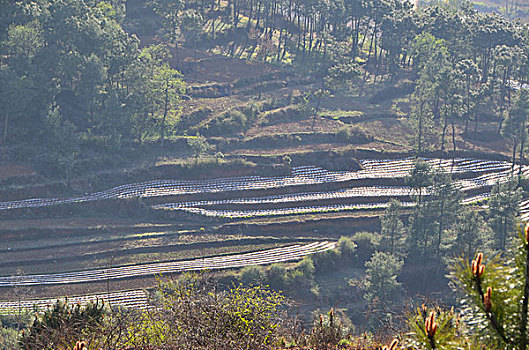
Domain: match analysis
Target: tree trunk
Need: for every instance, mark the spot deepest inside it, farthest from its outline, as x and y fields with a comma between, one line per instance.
x=445, y=125
x=278, y=56
x=522, y=146
x=476, y=116
x=364, y=37
x=419, y=135
x=4, y=136
x=316, y=111
x=165, y=109
x=370, y=49
x=504, y=233
x=514, y=146
x=250, y=15
x=195, y=56
x=500, y=124
x=425, y=242
x=453, y=135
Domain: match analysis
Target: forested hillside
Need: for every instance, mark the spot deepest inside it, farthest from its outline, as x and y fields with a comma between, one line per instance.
x=74, y=80
x=334, y=166
x=511, y=9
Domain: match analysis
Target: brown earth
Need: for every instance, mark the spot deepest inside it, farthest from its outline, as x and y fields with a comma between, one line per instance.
x=10, y=170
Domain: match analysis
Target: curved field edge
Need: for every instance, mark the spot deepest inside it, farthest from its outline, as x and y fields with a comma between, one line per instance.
x=283, y=254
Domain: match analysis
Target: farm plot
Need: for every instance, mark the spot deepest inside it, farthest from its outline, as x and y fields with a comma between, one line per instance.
x=480, y=174
x=479, y=177
x=312, y=209
x=131, y=298
x=385, y=168
x=288, y=211
x=264, y=257
x=242, y=199
x=355, y=192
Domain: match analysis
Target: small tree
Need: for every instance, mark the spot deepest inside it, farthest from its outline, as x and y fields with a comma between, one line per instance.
x=503, y=210
x=62, y=144
x=191, y=26
x=381, y=282
x=393, y=232
x=252, y=275
x=421, y=118
x=168, y=85
x=421, y=225
x=444, y=205
x=515, y=126
x=469, y=233
x=419, y=178
x=169, y=10
x=199, y=146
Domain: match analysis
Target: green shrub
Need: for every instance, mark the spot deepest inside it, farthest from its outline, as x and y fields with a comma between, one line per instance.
x=301, y=278
x=367, y=242
x=299, y=283
x=191, y=120
x=352, y=134
x=391, y=92
x=251, y=113
x=199, y=146
x=381, y=285
x=342, y=75
x=62, y=325
x=232, y=122
x=284, y=115
x=326, y=261
x=277, y=276
x=306, y=266
x=346, y=248
x=8, y=338
x=252, y=275
x=194, y=314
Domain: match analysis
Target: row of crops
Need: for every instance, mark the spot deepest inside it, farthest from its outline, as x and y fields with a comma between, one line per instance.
x=263, y=257
x=524, y=209
x=491, y=171
x=241, y=214
x=131, y=298
x=479, y=177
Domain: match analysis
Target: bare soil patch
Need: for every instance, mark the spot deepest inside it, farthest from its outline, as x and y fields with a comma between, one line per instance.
x=10, y=170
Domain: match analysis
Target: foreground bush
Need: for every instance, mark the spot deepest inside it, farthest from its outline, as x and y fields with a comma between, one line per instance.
x=62, y=325
x=194, y=314
x=495, y=295
x=188, y=313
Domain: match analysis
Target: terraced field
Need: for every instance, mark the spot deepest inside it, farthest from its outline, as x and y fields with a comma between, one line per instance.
x=131, y=298
x=483, y=174
x=270, y=256
x=183, y=240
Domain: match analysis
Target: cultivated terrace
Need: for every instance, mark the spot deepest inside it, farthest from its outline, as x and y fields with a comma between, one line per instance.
x=264, y=174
